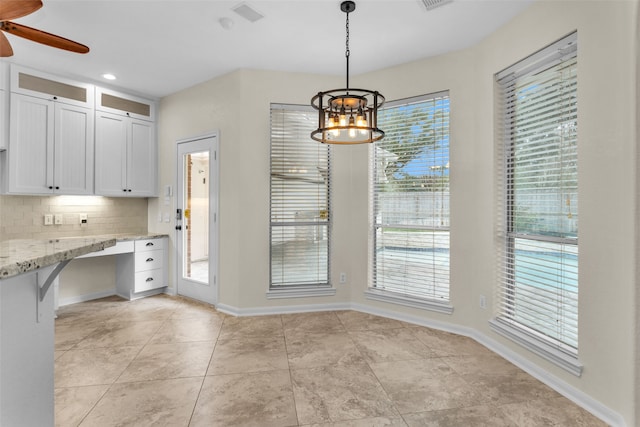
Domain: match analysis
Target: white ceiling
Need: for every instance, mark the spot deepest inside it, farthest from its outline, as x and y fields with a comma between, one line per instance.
x=158, y=47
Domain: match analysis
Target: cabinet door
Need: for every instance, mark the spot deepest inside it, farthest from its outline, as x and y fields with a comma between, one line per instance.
x=30, y=153
x=3, y=119
x=141, y=165
x=73, y=150
x=111, y=154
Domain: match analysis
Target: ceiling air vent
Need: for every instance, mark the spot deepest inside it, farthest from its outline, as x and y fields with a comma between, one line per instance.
x=247, y=12
x=432, y=4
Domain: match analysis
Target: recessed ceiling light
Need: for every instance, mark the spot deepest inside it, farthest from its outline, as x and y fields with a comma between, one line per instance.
x=108, y=76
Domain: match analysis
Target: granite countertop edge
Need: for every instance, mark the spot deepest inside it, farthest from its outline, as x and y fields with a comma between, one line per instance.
x=24, y=255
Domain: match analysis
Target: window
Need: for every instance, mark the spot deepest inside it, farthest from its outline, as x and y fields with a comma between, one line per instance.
x=538, y=206
x=300, y=189
x=410, y=191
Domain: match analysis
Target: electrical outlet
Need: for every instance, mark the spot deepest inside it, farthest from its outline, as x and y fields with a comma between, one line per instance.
x=83, y=218
x=48, y=219
x=57, y=219
x=343, y=277
x=483, y=302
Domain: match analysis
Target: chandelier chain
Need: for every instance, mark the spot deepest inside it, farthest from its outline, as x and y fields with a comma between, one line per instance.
x=347, y=51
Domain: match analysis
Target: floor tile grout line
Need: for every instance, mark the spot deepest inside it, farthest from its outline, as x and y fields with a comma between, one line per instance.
x=206, y=372
x=293, y=393
x=444, y=358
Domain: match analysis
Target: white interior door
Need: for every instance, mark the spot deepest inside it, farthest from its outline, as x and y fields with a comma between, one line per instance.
x=196, y=219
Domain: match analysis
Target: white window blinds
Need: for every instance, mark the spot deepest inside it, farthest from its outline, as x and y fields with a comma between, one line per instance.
x=300, y=189
x=410, y=199
x=538, y=203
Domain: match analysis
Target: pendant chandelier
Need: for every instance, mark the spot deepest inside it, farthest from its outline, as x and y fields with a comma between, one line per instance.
x=347, y=116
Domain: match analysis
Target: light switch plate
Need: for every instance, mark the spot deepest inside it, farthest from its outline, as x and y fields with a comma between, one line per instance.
x=57, y=219
x=48, y=219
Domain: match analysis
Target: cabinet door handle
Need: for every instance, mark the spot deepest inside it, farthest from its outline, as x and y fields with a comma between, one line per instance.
x=149, y=244
x=124, y=189
x=149, y=259
x=129, y=190
x=149, y=279
x=51, y=187
x=57, y=188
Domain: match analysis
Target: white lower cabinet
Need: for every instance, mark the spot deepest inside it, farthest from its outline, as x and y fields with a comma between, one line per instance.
x=138, y=275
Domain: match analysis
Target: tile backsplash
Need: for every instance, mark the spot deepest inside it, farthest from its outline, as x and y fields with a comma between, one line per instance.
x=22, y=217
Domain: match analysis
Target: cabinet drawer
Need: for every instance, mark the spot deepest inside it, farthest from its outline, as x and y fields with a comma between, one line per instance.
x=149, y=244
x=148, y=260
x=145, y=280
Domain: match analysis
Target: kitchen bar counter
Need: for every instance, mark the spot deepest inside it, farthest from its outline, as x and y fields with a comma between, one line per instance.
x=25, y=255
x=27, y=269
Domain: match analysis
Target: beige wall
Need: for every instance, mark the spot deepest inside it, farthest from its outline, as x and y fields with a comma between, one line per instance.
x=238, y=106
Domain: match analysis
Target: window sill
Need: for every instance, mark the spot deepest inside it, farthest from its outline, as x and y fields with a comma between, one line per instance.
x=408, y=301
x=539, y=346
x=300, y=293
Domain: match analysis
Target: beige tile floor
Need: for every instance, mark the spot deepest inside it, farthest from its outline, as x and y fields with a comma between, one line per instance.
x=166, y=361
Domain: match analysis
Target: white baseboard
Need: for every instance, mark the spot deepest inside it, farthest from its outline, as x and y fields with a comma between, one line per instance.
x=86, y=297
x=283, y=309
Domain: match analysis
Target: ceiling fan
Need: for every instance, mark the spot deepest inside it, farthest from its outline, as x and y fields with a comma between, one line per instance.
x=12, y=9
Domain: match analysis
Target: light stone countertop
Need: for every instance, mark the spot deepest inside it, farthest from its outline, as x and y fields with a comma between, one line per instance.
x=23, y=255
x=129, y=237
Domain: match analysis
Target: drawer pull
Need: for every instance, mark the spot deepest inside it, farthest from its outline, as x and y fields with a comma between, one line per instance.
x=149, y=244
x=149, y=259
x=149, y=279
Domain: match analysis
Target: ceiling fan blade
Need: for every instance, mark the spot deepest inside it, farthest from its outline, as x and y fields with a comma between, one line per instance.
x=13, y=9
x=42, y=37
x=5, y=47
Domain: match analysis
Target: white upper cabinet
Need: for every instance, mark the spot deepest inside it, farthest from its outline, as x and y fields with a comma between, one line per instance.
x=42, y=85
x=69, y=137
x=126, y=153
x=110, y=101
x=51, y=146
x=4, y=107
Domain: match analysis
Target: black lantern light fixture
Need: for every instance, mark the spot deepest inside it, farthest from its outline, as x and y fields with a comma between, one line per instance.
x=347, y=116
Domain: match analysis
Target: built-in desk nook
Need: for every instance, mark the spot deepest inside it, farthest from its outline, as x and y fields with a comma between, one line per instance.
x=140, y=264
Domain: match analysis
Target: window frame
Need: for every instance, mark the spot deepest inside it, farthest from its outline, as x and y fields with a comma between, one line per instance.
x=374, y=292
x=294, y=290
x=504, y=321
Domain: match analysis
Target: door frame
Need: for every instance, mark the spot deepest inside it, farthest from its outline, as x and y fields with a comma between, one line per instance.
x=214, y=207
